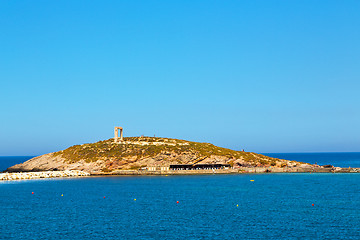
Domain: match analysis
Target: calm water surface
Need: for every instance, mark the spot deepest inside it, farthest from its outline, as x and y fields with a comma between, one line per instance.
x=341, y=159
x=274, y=206
x=6, y=161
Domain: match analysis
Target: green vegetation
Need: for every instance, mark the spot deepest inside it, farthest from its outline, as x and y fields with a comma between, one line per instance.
x=134, y=167
x=106, y=170
x=137, y=148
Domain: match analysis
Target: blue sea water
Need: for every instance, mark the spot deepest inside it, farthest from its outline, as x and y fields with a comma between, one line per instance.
x=8, y=161
x=340, y=159
x=273, y=206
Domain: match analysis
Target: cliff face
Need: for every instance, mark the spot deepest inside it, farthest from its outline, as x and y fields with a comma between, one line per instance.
x=138, y=152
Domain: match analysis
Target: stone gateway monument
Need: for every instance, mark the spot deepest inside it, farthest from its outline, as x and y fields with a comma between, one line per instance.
x=116, y=133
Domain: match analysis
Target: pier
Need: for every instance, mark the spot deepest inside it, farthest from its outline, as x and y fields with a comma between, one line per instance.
x=38, y=175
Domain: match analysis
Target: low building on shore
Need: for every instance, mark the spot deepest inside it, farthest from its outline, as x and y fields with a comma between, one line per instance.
x=199, y=166
x=158, y=168
x=176, y=167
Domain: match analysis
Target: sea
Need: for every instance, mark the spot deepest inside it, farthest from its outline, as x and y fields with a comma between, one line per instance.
x=337, y=159
x=241, y=206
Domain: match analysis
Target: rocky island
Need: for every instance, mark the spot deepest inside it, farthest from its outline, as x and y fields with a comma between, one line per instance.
x=154, y=155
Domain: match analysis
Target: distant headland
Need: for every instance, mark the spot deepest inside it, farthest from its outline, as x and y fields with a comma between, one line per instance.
x=154, y=155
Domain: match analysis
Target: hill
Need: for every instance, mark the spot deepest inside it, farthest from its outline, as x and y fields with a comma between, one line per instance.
x=140, y=152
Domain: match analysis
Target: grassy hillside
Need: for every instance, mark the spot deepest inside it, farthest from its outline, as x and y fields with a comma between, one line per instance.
x=136, y=148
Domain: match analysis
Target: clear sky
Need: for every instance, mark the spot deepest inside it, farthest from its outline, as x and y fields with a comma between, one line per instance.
x=266, y=76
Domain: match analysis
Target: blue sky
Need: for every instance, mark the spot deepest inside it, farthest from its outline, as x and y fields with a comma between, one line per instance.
x=266, y=76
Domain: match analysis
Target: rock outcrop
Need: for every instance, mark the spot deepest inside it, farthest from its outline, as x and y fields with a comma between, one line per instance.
x=136, y=153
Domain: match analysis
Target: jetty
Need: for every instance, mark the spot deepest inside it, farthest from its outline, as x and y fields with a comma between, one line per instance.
x=38, y=175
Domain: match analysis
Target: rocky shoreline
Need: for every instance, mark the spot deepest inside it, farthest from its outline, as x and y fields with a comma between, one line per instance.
x=156, y=156
x=38, y=175
x=252, y=170
x=244, y=170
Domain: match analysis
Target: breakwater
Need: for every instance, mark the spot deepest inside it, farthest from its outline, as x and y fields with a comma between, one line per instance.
x=78, y=173
x=242, y=170
x=38, y=175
